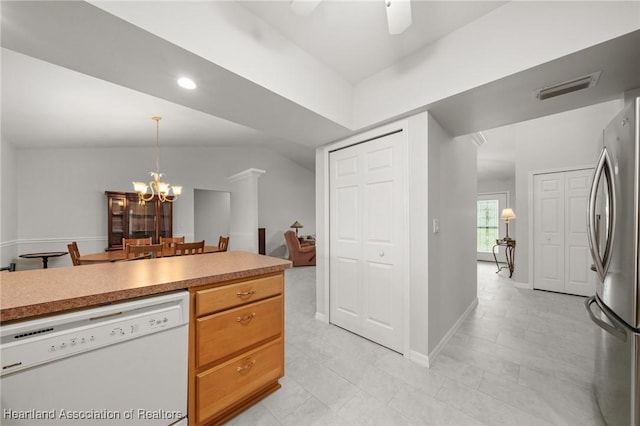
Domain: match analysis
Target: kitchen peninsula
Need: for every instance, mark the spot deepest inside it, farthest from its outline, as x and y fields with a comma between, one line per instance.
x=236, y=305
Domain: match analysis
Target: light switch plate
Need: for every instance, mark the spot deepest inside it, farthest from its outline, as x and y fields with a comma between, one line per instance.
x=436, y=226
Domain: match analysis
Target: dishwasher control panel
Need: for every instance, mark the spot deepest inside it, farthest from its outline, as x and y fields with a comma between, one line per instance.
x=32, y=344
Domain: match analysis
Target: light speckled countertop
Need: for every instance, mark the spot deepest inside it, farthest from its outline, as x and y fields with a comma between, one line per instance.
x=32, y=293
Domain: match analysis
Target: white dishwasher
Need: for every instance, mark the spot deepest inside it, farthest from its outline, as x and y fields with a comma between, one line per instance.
x=118, y=364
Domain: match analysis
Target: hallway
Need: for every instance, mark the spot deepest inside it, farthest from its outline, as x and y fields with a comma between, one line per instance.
x=521, y=358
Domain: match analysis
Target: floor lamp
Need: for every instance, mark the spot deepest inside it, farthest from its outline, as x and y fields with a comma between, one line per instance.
x=297, y=225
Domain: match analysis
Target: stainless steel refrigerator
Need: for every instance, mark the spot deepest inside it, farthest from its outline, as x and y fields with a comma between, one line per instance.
x=613, y=238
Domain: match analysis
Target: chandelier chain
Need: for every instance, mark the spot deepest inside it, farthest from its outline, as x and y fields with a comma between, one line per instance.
x=163, y=190
x=157, y=120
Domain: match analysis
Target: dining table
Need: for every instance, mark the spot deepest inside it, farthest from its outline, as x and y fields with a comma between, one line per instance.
x=117, y=255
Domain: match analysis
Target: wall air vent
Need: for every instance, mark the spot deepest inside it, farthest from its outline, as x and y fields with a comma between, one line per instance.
x=563, y=88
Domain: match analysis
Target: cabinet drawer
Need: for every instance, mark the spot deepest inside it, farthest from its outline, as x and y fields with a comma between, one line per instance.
x=224, y=297
x=227, y=384
x=227, y=332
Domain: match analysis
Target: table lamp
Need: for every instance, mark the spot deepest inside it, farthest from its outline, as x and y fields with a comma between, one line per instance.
x=297, y=225
x=507, y=214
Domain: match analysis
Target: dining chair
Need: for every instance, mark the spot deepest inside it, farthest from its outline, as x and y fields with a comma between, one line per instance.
x=223, y=243
x=170, y=242
x=134, y=251
x=135, y=242
x=189, y=248
x=74, y=253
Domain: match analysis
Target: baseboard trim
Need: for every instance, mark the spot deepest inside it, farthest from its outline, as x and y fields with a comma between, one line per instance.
x=321, y=317
x=419, y=358
x=525, y=286
x=443, y=342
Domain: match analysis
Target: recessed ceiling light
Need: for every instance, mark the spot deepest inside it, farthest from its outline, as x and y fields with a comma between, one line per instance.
x=186, y=83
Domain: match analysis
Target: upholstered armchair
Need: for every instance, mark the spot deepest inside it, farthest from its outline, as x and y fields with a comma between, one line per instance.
x=300, y=255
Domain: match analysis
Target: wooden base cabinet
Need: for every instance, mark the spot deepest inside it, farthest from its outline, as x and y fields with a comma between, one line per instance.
x=236, y=347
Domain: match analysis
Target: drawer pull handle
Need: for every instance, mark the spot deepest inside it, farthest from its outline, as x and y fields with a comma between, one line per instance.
x=247, y=366
x=246, y=318
x=246, y=293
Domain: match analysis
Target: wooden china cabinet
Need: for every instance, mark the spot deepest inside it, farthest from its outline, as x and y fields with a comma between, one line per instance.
x=128, y=218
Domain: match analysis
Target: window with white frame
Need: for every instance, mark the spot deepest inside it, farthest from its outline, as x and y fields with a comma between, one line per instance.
x=488, y=225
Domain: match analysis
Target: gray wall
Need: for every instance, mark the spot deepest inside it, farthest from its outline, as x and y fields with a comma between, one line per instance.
x=452, y=251
x=211, y=215
x=506, y=185
x=8, y=203
x=61, y=192
x=421, y=188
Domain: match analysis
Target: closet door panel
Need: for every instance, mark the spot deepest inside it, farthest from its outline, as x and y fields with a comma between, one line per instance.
x=367, y=281
x=346, y=240
x=578, y=277
x=549, y=231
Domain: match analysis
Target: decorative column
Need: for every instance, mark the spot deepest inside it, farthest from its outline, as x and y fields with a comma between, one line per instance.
x=243, y=226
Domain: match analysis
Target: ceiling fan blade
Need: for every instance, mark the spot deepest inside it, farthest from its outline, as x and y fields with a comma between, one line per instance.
x=303, y=7
x=398, y=15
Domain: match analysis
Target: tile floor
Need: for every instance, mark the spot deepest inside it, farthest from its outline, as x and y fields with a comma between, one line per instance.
x=521, y=358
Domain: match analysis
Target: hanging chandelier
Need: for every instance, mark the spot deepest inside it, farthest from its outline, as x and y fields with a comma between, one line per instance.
x=164, y=190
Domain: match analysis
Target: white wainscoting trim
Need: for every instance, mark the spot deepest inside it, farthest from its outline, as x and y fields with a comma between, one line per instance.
x=65, y=240
x=9, y=243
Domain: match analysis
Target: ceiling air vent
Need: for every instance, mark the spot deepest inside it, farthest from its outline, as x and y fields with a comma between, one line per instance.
x=478, y=138
x=563, y=88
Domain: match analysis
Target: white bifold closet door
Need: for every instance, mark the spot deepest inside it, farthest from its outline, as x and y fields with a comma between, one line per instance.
x=367, y=254
x=561, y=260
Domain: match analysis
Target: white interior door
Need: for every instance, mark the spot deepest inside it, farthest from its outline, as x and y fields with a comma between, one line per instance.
x=578, y=277
x=561, y=251
x=345, y=217
x=489, y=225
x=367, y=280
x=548, y=234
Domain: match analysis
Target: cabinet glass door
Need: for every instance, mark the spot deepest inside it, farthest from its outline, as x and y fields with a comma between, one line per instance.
x=118, y=220
x=142, y=220
x=165, y=220
x=128, y=218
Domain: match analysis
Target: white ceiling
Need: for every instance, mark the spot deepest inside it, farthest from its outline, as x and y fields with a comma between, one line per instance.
x=351, y=37
x=89, y=85
x=46, y=105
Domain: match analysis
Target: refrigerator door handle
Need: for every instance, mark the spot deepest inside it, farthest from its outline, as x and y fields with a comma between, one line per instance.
x=602, y=261
x=615, y=330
